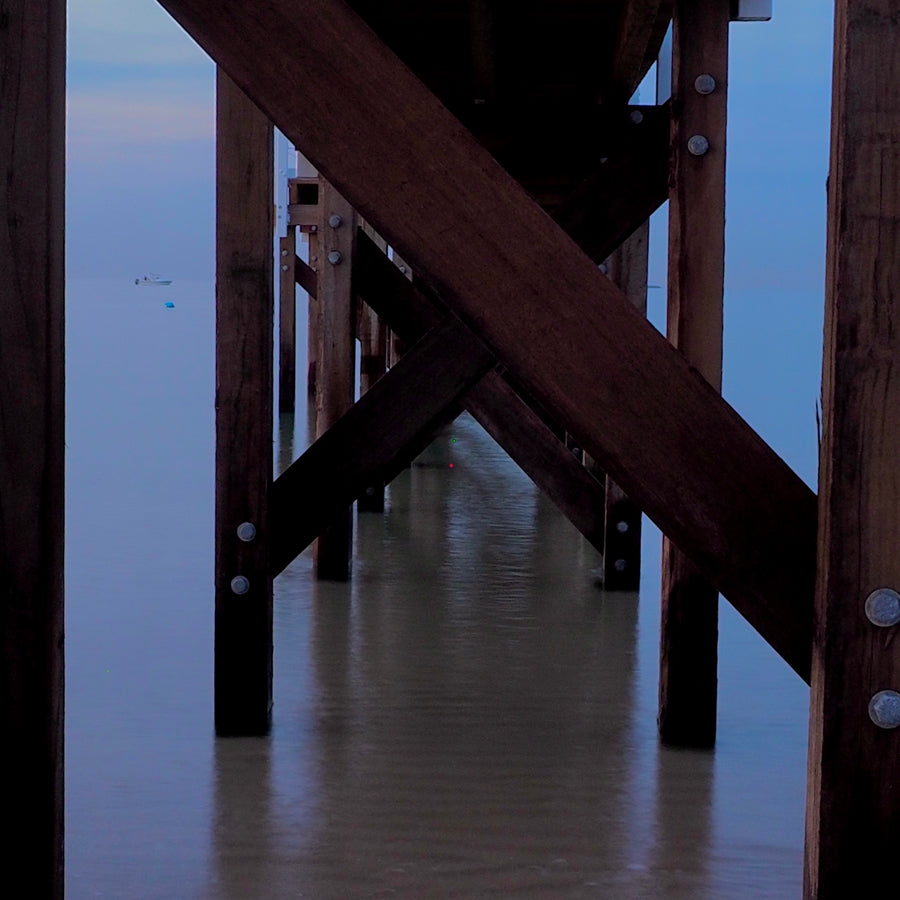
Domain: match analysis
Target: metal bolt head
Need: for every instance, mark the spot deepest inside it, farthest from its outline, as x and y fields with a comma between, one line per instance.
x=884, y=709
x=313, y=228
x=697, y=145
x=403, y=269
x=284, y=252
x=240, y=584
x=636, y=116
x=335, y=257
x=704, y=84
x=883, y=607
x=622, y=527
x=246, y=531
x=604, y=269
x=619, y=565
x=335, y=221
x=284, y=268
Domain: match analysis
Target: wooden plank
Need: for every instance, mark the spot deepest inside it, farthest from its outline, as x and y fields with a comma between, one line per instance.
x=689, y=606
x=287, y=332
x=32, y=401
x=244, y=364
x=627, y=269
x=704, y=476
x=388, y=426
x=336, y=377
x=305, y=275
x=853, y=799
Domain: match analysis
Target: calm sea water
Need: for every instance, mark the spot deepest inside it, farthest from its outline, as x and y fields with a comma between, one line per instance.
x=469, y=717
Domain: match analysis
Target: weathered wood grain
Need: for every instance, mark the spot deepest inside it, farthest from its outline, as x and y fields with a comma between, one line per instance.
x=853, y=799
x=244, y=372
x=32, y=403
x=689, y=603
x=540, y=304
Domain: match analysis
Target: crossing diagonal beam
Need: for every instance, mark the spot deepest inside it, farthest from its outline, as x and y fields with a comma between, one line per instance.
x=403, y=410
x=493, y=403
x=631, y=399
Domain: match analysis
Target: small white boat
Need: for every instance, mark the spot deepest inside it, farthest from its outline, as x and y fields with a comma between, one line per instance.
x=152, y=281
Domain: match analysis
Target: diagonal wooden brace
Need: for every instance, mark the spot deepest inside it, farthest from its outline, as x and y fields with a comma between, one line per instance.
x=494, y=404
x=631, y=399
x=389, y=425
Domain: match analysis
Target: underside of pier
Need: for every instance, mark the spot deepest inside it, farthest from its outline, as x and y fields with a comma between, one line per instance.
x=477, y=221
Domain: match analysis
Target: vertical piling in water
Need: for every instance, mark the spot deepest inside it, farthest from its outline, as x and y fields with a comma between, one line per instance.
x=373, y=346
x=336, y=376
x=32, y=400
x=244, y=389
x=287, y=319
x=627, y=268
x=853, y=791
x=689, y=636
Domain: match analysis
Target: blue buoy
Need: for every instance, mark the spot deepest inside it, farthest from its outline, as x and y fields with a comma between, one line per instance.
x=170, y=304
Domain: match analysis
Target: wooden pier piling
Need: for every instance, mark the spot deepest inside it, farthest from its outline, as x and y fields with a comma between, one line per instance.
x=336, y=375
x=689, y=616
x=627, y=269
x=373, y=353
x=853, y=794
x=287, y=318
x=32, y=401
x=244, y=398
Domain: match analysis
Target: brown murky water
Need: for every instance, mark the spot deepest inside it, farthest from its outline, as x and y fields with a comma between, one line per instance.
x=470, y=717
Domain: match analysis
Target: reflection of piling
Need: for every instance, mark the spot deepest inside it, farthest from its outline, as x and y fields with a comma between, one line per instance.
x=244, y=388
x=32, y=403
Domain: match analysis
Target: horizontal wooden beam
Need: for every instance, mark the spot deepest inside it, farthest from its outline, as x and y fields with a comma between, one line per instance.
x=384, y=429
x=493, y=403
x=697, y=469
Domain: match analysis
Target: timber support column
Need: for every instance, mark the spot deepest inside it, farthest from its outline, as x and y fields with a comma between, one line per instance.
x=336, y=376
x=627, y=268
x=32, y=398
x=689, y=627
x=287, y=331
x=853, y=792
x=244, y=387
x=373, y=345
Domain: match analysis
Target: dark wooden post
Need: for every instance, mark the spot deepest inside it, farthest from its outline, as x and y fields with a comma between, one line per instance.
x=853, y=805
x=287, y=332
x=688, y=642
x=244, y=363
x=335, y=381
x=627, y=268
x=373, y=344
x=32, y=400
